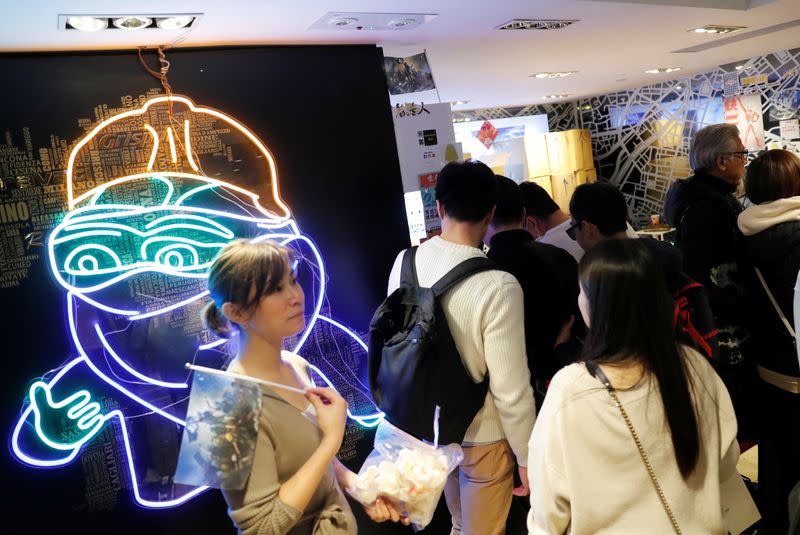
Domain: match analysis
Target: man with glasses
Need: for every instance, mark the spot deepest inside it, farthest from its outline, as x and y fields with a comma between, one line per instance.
x=704, y=211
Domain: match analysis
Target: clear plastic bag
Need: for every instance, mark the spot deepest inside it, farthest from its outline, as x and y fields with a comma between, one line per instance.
x=406, y=470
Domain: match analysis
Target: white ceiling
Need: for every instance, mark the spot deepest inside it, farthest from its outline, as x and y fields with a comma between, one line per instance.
x=611, y=46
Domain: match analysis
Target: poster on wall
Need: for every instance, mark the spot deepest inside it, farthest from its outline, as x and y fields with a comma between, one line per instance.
x=427, y=189
x=790, y=129
x=411, y=74
x=746, y=113
x=730, y=84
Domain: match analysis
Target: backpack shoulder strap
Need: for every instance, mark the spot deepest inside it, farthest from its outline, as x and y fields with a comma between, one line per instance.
x=463, y=270
x=408, y=272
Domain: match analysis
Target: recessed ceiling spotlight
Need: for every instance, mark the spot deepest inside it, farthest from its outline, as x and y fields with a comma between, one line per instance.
x=717, y=29
x=87, y=24
x=402, y=23
x=739, y=67
x=562, y=74
x=132, y=23
x=549, y=97
x=174, y=23
x=462, y=102
x=342, y=21
x=678, y=88
x=662, y=70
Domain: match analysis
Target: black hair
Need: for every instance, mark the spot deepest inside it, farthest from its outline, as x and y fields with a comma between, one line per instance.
x=601, y=204
x=466, y=190
x=631, y=320
x=538, y=202
x=509, y=208
x=241, y=274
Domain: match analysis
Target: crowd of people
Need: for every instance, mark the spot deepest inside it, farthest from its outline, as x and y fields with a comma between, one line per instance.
x=624, y=374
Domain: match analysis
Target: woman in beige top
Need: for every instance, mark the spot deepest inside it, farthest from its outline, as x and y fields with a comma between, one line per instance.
x=294, y=483
x=587, y=475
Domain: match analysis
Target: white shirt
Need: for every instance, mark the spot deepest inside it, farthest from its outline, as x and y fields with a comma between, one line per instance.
x=587, y=476
x=558, y=236
x=485, y=316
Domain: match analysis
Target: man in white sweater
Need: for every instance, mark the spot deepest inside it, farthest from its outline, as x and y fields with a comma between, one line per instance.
x=485, y=316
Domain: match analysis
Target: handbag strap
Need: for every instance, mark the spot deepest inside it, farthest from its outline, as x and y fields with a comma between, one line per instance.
x=775, y=304
x=595, y=370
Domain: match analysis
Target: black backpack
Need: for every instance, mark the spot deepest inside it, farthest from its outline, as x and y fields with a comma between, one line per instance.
x=414, y=364
x=693, y=320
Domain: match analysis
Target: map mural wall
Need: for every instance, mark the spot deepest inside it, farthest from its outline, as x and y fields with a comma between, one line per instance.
x=640, y=137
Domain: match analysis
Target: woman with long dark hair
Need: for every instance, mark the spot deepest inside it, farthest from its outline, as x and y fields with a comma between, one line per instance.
x=638, y=437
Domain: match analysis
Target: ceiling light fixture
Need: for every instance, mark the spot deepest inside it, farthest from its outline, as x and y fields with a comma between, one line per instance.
x=536, y=24
x=139, y=21
x=717, y=29
x=550, y=97
x=739, y=67
x=541, y=75
x=343, y=21
x=355, y=21
x=662, y=70
x=174, y=23
x=462, y=102
x=132, y=22
x=403, y=23
x=87, y=24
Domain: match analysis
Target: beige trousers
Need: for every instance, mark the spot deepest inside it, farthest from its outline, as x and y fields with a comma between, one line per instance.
x=478, y=492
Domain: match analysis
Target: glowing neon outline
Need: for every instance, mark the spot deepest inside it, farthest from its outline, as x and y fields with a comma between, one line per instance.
x=172, y=145
x=150, y=162
x=77, y=222
x=211, y=345
x=127, y=366
x=85, y=412
x=160, y=311
x=95, y=193
x=192, y=192
x=72, y=201
x=84, y=247
x=87, y=233
x=71, y=457
x=188, y=144
x=363, y=420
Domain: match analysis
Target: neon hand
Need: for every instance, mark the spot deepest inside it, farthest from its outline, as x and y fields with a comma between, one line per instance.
x=49, y=417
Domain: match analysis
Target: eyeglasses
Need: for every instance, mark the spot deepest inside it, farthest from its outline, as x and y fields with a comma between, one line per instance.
x=741, y=154
x=572, y=229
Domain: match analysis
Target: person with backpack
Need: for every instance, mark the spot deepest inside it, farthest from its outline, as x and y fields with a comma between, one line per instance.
x=451, y=334
x=703, y=210
x=639, y=437
x=771, y=228
x=598, y=214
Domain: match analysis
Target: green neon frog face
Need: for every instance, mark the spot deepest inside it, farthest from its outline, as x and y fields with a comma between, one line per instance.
x=155, y=230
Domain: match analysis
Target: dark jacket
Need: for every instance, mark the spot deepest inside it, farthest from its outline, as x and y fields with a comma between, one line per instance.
x=704, y=211
x=776, y=253
x=703, y=333
x=549, y=279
